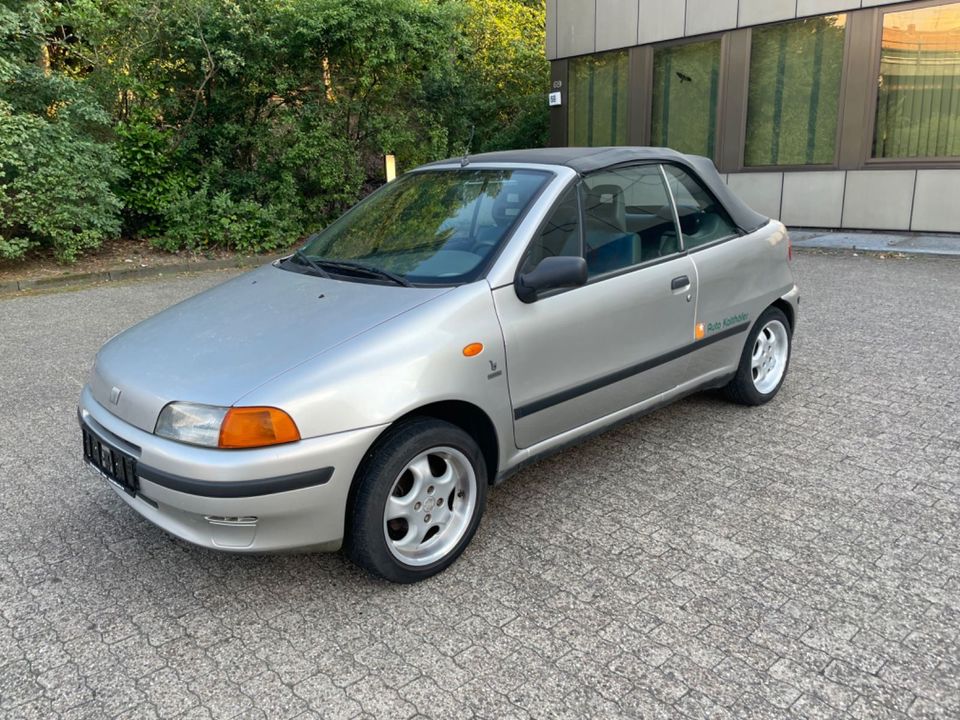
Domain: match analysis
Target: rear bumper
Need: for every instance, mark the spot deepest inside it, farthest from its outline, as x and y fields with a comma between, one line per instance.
x=287, y=497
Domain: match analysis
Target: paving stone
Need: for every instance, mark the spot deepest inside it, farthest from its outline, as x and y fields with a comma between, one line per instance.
x=797, y=560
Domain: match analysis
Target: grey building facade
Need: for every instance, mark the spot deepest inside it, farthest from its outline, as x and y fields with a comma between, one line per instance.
x=824, y=113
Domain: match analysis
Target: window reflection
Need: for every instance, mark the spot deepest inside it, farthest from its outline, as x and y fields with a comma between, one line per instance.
x=686, y=80
x=794, y=96
x=918, y=101
x=597, y=99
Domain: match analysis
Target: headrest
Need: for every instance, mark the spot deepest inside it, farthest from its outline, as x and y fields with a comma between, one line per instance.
x=606, y=203
x=508, y=205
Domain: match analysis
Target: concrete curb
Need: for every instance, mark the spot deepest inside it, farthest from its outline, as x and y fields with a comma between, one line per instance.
x=886, y=243
x=122, y=273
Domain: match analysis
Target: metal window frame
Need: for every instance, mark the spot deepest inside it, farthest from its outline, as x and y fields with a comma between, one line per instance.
x=741, y=56
x=647, y=76
x=870, y=127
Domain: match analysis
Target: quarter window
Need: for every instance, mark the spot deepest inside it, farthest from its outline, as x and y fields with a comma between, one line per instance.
x=702, y=220
x=560, y=236
x=628, y=219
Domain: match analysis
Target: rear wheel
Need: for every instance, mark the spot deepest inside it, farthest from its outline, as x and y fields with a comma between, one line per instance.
x=764, y=362
x=418, y=501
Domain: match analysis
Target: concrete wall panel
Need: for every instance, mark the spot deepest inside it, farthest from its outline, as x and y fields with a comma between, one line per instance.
x=813, y=199
x=616, y=24
x=757, y=12
x=935, y=206
x=552, y=30
x=824, y=7
x=660, y=20
x=707, y=16
x=879, y=199
x=761, y=191
x=576, y=28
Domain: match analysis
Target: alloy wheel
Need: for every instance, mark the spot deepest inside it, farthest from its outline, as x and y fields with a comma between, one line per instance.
x=430, y=506
x=768, y=362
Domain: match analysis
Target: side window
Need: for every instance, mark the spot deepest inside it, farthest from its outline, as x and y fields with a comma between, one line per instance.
x=561, y=234
x=702, y=220
x=628, y=219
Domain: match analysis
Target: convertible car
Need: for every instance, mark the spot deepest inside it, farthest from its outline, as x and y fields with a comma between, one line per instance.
x=469, y=318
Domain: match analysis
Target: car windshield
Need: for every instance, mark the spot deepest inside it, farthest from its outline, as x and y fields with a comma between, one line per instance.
x=430, y=227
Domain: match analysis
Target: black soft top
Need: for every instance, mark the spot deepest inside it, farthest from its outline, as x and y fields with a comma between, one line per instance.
x=588, y=160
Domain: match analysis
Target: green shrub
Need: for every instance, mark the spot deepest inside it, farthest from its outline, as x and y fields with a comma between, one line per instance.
x=57, y=164
x=54, y=187
x=201, y=220
x=156, y=176
x=244, y=124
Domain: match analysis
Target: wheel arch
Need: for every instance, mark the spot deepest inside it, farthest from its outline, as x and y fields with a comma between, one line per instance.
x=469, y=418
x=464, y=415
x=787, y=309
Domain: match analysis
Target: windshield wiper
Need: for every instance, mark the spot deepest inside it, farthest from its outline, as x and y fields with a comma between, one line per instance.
x=311, y=263
x=367, y=269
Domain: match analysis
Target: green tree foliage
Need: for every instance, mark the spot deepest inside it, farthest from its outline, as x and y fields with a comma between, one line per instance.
x=57, y=166
x=244, y=123
x=505, y=73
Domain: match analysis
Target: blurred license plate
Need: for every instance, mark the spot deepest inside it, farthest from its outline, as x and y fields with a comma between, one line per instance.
x=114, y=464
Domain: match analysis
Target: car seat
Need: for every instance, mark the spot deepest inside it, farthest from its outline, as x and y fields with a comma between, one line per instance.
x=609, y=246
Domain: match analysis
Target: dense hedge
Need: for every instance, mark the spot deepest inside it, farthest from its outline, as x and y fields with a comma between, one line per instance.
x=241, y=123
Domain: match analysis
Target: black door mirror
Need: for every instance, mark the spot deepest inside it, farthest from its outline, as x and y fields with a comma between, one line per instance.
x=550, y=274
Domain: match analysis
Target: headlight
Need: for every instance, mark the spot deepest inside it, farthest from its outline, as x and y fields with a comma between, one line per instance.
x=222, y=427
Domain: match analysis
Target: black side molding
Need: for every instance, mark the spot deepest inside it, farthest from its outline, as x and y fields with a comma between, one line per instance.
x=239, y=488
x=628, y=372
x=537, y=457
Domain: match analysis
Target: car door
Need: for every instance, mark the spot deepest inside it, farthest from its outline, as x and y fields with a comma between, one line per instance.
x=734, y=272
x=577, y=355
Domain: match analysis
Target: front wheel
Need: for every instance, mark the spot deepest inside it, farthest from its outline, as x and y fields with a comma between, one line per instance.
x=764, y=362
x=418, y=501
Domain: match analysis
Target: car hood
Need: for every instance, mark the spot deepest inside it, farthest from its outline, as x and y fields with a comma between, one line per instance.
x=218, y=346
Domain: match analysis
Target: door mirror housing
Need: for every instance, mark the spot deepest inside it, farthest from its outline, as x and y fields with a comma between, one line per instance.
x=550, y=274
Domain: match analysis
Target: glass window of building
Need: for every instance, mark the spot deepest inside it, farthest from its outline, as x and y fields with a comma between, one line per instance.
x=918, y=101
x=597, y=100
x=794, y=92
x=686, y=79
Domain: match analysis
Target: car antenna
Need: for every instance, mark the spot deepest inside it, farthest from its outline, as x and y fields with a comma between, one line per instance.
x=465, y=160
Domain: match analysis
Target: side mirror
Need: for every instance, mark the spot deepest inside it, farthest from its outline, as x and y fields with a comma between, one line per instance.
x=550, y=274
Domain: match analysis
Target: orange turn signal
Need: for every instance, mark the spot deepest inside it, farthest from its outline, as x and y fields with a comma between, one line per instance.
x=473, y=349
x=252, y=427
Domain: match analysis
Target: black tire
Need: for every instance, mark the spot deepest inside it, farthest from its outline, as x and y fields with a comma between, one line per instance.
x=742, y=389
x=365, y=542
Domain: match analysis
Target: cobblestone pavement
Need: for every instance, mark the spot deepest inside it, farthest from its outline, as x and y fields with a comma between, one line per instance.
x=798, y=560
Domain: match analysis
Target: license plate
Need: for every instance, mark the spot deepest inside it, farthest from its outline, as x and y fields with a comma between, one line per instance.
x=114, y=464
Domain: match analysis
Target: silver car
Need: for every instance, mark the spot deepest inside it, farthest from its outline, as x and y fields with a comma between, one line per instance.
x=461, y=322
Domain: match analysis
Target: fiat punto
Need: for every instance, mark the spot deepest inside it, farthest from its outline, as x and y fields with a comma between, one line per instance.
x=463, y=321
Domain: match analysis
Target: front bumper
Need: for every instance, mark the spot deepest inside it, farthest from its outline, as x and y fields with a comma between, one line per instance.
x=285, y=497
